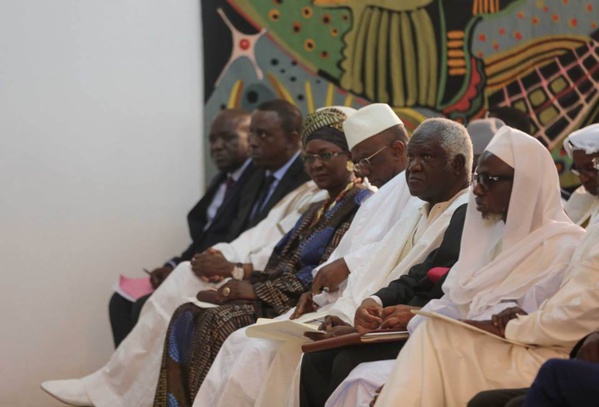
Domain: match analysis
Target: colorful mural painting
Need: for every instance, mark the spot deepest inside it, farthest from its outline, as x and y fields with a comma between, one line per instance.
x=426, y=58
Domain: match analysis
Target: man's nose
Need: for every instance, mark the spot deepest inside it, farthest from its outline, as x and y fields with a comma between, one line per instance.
x=478, y=190
x=414, y=165
x=217, y=143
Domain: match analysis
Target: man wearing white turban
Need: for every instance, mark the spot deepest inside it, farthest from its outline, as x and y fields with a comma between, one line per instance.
x=518, y=259
x=582, y=146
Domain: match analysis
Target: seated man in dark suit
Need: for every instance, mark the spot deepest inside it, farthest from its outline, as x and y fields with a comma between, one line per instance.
x=229, y=149
x=276, y=170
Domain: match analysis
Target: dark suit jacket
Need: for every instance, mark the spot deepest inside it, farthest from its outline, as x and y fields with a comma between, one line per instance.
x=415, y=288
x=218, y=231
x=293, y=178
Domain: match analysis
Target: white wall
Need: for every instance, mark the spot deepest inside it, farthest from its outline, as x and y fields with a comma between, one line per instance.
x=100, y=118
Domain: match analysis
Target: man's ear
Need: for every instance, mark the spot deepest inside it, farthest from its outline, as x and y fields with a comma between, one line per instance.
x=398, y=148
x=458, y=163
x=294, y=138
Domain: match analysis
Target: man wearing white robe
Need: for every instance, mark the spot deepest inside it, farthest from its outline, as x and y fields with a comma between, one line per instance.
x=582, y=146
x=130, y=376
x=479, y=362
x=238, y=370
x=517, y=261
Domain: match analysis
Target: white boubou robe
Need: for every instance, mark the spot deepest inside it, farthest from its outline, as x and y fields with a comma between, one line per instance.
x=582, y=207
x=517, y=263
x=239, y=369
x=446, y=365
x=130, y=376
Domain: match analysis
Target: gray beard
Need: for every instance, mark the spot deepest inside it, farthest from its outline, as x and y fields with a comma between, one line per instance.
x=492, y=218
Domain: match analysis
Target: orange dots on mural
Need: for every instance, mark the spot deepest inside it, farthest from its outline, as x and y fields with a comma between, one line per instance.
x=573, y=22
x=518, y=35
x=309, y=45
x=296, y=27
x=495, y=45
x=274, y=14
x=502, y=31
x=326, y=19
x=535, y=20
x=589, y=7
x=334, y=31
x=565, y=1
x=324, y=54
x=593, y=25
x=555, y=18
x=307, y=12
x=482, y=37
x=546, y=9
x=480, y=54
x=521, y=15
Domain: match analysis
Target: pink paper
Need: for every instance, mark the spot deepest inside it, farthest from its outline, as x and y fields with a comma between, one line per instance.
x=134, y=288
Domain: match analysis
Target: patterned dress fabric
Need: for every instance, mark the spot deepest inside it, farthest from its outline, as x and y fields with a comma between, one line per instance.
x=195, y=334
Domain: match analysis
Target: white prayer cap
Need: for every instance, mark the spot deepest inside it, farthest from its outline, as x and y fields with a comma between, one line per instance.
x=369, y=121
x=586, y=139
x=481, y=132
x=348, y=111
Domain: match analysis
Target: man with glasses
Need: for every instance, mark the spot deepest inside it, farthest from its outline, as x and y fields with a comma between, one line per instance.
x=516, y=246
x=390, y=216
x=583, y=147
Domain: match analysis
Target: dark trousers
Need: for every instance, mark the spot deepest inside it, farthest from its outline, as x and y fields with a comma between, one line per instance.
x=565, y=383
x=123, y=316
x=322, y=372
x=499, y=398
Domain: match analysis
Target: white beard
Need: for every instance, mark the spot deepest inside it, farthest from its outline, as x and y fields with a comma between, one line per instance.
x=492, y=218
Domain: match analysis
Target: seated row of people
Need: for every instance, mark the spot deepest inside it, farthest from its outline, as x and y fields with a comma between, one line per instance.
x=507, y=242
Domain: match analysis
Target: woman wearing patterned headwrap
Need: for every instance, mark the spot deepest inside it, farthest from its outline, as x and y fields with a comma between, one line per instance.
x=195, y=334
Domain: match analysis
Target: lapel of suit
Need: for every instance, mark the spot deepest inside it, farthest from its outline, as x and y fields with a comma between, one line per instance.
x=284, y=186
x=234, y=195
x=196, y=219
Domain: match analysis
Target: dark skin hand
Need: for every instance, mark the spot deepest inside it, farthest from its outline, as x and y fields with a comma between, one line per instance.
x=305, y=305
x=158, y=275
x=238, y=291
x=332, y=327
x=211, y=266
x=368, y=316
x=397, y=316
x=330, y=276
x=589, y=351
x=500, y=320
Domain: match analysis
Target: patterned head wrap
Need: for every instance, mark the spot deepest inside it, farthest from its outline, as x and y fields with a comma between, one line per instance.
x=327, y=125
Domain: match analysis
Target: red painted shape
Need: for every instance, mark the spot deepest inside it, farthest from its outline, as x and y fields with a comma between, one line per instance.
x=502, y=31
x=244, y=44
x=518, y=35
x=463, y=105
x=482, y=37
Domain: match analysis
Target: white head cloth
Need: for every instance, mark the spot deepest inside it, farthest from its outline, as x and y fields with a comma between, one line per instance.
x=369, y=121
x=535, y=222
x=586, y=139
x=481, y=132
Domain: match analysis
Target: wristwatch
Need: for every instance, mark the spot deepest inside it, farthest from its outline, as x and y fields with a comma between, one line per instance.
x=237, y=272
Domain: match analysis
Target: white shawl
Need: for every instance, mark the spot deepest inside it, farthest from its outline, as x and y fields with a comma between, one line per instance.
x=537, y=238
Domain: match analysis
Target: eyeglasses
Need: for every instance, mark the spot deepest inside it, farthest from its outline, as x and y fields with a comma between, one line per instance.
x=309, y=159
x=589, y=170
x=486, y=181
x=365, y=162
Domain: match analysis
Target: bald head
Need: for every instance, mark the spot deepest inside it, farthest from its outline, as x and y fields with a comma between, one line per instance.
x=228, y=139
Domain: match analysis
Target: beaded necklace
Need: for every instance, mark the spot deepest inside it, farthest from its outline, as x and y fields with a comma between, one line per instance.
x=329, y=203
